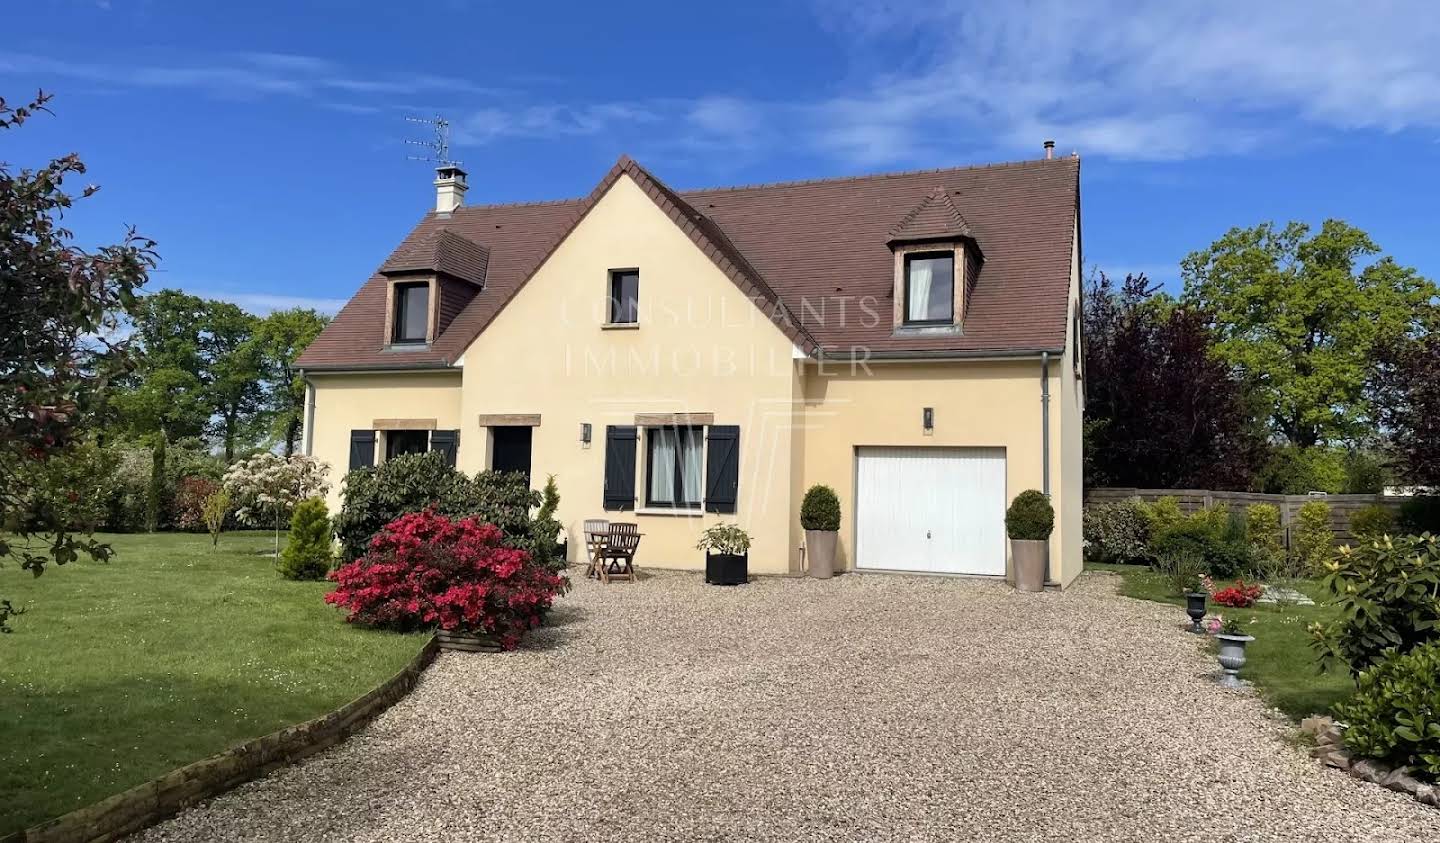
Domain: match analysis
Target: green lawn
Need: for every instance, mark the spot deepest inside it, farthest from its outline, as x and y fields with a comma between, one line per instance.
x=120, y=672
x=1280, y=661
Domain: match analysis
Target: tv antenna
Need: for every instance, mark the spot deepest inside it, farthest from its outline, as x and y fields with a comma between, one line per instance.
x=438, y=146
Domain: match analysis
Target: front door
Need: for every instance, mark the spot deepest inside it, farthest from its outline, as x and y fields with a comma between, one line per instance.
x=510, y=449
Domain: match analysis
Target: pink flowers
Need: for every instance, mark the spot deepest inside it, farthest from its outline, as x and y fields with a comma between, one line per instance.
x=424, y=570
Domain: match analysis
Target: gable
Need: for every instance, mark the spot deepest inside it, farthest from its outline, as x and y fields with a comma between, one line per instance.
x=688, y=304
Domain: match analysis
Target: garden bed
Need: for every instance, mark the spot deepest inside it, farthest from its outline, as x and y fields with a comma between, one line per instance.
x=1281, y=663
x=119, y=673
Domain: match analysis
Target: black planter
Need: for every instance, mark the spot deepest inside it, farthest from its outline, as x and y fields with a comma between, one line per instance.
x=727, y=568
x=1195, y=608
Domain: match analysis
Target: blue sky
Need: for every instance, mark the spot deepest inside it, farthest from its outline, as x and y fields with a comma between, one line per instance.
x=262, y=143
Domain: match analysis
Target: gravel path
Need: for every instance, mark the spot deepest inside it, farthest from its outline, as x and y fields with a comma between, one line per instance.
x=864, y=708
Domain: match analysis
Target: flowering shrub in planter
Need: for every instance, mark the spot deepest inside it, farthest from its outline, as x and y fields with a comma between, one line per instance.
x=1238, y=596
x=427, y=570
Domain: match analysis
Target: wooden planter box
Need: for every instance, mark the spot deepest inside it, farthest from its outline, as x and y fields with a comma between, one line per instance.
x=466, y=642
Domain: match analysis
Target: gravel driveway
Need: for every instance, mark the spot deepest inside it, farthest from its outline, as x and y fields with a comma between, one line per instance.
x=863, y=708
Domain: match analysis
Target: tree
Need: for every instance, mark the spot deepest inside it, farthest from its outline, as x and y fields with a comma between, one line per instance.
x=1407, y=380
x=279, y=339
x=310, y=549
x=1163, y=411
x=232, y=373
x=165, y=394
x=58, y=352
x=267, y=487
x=1301, y=318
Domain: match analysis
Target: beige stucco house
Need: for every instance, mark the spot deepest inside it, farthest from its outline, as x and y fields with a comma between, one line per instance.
x=681, y=359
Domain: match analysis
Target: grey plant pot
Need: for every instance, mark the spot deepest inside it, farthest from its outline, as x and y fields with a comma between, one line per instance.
x=1032, y=563
x=820, y=553
x=1232, y=658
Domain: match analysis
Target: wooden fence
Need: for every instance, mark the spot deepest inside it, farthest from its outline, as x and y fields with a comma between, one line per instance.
x=1190, y=500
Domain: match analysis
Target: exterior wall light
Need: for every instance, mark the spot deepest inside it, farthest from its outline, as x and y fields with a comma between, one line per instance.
x=585, y=434
x=927, y=417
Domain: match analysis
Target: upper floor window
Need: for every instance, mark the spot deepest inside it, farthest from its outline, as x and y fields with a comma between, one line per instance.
x=624, y=296
x=930, y=288
x=412, y=312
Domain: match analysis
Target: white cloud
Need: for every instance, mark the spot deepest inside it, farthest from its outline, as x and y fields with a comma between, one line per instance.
x=1158, y=80
x=245, y=75
x=263, y=303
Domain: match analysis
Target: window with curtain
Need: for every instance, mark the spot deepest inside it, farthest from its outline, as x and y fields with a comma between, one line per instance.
x=624, y=297
x=673, y=467
x=412, y=312
x=930, y=288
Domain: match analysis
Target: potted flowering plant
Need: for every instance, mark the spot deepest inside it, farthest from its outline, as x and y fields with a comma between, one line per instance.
x=727, y=554
x=1233, y=638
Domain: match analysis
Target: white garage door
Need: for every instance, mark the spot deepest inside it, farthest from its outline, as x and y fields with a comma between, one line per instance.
x=940, y=510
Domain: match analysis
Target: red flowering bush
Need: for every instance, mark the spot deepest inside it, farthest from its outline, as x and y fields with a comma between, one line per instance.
x=1237, y=596
x=426, y=570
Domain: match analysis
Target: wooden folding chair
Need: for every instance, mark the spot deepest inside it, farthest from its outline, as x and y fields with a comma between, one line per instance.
x=618, y=557
x=597, y=530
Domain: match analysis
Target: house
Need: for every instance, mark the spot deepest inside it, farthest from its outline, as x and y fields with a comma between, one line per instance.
x=681, y=359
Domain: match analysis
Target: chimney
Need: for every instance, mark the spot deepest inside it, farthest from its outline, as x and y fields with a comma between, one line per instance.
x=450, y=188
x=1049, y=152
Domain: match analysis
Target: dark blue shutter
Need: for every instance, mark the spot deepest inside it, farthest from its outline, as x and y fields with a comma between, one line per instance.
x=446, y=442
x=722, y=469
x=362, y=449
x=619, y=468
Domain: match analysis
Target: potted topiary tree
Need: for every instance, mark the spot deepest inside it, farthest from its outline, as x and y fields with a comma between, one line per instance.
x=820, y=516
x=1029, y=522
x=727, y=554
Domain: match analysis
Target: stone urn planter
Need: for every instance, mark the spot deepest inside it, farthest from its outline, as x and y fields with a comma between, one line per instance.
x=1029, y=522
x=1195, y=608
x=1232, y=657
x=820, y=517
x=460, y=641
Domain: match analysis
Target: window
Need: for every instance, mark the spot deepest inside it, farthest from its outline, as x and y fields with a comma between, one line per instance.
x=930, y=288
x=401, y=442
x=673, y=466
x=624, y=296
x=412, y=312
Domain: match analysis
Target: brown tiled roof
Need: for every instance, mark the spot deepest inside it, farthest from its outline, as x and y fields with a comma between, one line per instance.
x=934, y=218
x=443, y=252
x=816, y=253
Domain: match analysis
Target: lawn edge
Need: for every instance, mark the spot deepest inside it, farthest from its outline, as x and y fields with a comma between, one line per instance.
x=146, y=804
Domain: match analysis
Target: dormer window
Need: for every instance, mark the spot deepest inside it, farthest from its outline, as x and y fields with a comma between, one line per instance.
x=930, y=288
x=412, y=313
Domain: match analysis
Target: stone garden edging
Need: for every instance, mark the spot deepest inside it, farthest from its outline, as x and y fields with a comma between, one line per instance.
x=1330, y=749
x=146, y=804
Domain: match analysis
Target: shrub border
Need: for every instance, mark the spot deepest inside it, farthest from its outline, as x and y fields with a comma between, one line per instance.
x=158, y=799
x=1330, y=750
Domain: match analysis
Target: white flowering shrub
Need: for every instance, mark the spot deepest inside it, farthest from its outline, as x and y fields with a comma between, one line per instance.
x=267, y=487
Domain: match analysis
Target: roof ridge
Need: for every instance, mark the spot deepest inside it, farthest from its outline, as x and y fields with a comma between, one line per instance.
x=536, y=203
x=1035, y=162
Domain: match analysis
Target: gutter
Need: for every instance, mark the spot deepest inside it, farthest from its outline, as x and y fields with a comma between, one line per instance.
x=364, y=369
x=1045, y=421
x=307, y=435
x=903, y=356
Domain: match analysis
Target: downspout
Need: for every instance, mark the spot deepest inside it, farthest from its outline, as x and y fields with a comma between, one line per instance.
x=1045, y=420
x=308, y=434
